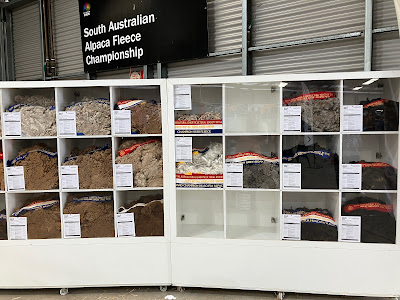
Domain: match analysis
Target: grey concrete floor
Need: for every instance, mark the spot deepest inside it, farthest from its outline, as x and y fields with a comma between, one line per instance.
x=153, y=293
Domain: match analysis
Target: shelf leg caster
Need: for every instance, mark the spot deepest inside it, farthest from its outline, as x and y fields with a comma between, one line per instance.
x=163, y=288
x=64, y=292
x=180, y=289
x=280, y=295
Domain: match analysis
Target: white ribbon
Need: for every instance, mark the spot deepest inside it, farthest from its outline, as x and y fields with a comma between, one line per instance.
x=123, y=210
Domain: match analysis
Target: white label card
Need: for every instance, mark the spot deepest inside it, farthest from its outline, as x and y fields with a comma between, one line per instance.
x=18, y=228
x=15, y=178
x=183, y=97
x=72, y=226
x=122, y=122
x=291, y=118
x=350, y=229
x=67, y=123
x=351, y=176
x=12, y=123
x=183, y=149
x=124, y=176
x=233, y=175
x=69, y=177
x=353, y=118
x=126, y=225
x=292, y=176
x=291, y=227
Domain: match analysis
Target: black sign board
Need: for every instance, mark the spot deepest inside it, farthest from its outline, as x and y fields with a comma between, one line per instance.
x=124, y=33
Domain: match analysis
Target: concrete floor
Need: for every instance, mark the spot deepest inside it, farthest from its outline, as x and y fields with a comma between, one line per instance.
x=152, y=293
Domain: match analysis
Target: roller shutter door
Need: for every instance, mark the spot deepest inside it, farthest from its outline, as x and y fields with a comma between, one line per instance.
x=27, y=45
x=224, y=24
x=277, y=21
x=214, y=66
x=386, y=46
x=67, y=37
x=384, y=14
x=386, y=52
x=335, y=56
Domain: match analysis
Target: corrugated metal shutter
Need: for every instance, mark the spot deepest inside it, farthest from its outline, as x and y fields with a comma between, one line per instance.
x=225, y=33
x=67, y=37
x=214, y=66
x=386, y=51
x=27, y=42
x=277, y=21
x=384, y=14
x=224, y=24
x=336, y=56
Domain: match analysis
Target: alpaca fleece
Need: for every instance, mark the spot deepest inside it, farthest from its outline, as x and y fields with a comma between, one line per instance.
x=38, y=115
x=149, y=219
x=319, y=166
x=43, y=223
x=146, y=160
x=210, y=115
x=378, y=178
x=261, y=176
x=97, y=218
x=380, y=115
x=320, y=115
x=3, y=225
x=95, y=169
x=204, y=161
x=40, y=170
x=146, y=118
x=35, y=100
x=311, y=228
x=378, y=224
x=93, y=116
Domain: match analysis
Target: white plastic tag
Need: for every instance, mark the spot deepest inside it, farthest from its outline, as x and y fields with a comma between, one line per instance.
x=291, y=227
x=126, y=225
x=18, y=228
x=350, y=229
x=292, y=176
x=291, y=118
x=67, y=123
x=124, y=176
x=183, y=149
x=183, y=97
x=69, y=177
x=15, y=178
x=234, y=175
x=12, y=123
x=72, y=226
x=351, y=176
x=122, y=121
x=353, y=118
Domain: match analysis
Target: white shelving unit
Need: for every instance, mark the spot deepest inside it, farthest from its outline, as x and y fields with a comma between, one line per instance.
x=67, y=263
x=213, y=237
x=231, y=238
